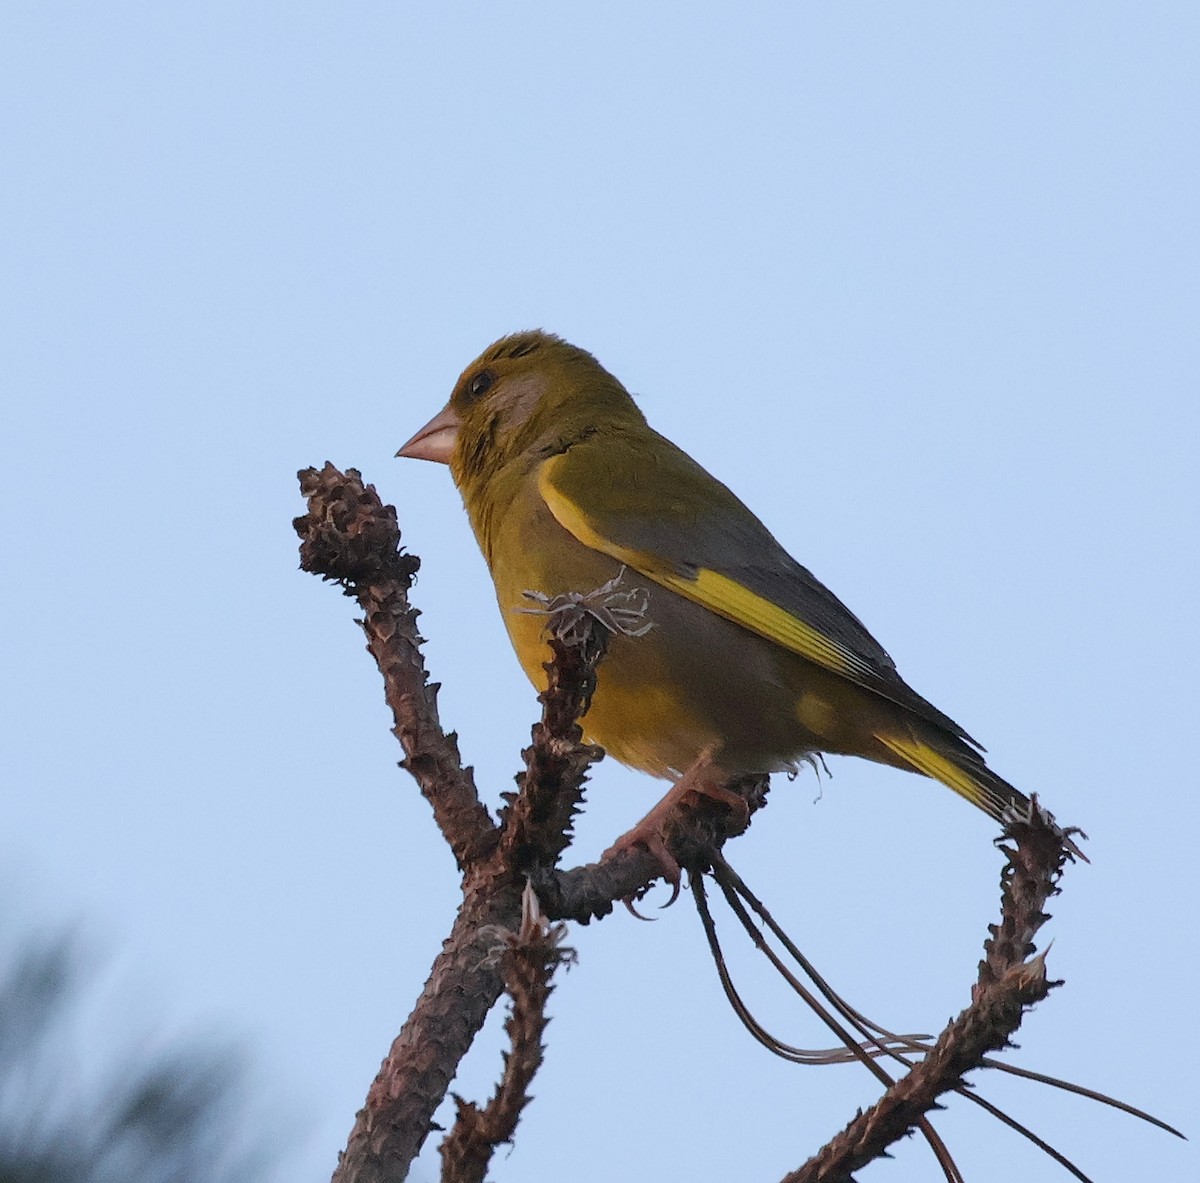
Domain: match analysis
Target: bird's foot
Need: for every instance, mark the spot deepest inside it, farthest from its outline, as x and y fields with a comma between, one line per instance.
x=649, y=835
x=620, y=611
x=654, y=833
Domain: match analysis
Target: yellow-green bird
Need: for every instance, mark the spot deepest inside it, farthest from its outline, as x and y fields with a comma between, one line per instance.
x=741, y=662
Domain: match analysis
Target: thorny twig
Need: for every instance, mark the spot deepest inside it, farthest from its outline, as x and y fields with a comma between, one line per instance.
x=527, y=960
x=537, y=819
x=351, y=538
x=1012, y=978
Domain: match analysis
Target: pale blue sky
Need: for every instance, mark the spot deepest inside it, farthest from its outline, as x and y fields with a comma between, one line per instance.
x=919, y=281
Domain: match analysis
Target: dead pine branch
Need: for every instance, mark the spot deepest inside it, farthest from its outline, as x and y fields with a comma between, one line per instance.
x=349, y=537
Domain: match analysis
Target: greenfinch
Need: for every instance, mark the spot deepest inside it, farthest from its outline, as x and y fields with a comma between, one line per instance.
x=727, y=657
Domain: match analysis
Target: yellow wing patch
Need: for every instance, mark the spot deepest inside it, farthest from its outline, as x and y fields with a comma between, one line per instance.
x=711, y=589
x=735, y=602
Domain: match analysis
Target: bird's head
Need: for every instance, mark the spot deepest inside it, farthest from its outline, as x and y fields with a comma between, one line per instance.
x=528, y=395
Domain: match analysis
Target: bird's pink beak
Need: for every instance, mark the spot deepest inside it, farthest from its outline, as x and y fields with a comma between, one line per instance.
x=435, y=441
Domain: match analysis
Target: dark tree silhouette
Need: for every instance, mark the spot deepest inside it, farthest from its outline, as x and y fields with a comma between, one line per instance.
x=177, y=1117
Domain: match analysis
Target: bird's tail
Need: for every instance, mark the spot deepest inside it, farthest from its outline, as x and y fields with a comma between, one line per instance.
x=949, y=760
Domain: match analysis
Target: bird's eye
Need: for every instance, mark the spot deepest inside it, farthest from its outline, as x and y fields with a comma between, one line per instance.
x=481, y=384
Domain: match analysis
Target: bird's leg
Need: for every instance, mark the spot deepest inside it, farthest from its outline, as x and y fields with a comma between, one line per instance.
x=652, y=833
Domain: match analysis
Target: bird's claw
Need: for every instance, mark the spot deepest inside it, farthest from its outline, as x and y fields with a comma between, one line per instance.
x=651, y=840
x=631, y=906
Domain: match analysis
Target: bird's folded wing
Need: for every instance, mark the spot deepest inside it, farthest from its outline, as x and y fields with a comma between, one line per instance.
x=649, y=505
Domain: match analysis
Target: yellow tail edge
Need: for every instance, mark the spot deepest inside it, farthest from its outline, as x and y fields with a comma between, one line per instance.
x=939, y=767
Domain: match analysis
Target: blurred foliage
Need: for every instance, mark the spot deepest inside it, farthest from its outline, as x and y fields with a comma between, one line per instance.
x=177, y=1115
